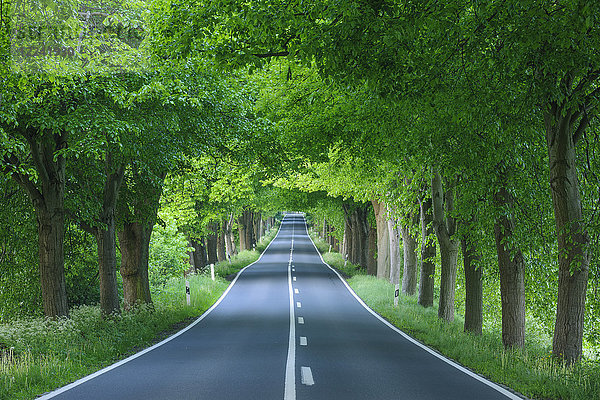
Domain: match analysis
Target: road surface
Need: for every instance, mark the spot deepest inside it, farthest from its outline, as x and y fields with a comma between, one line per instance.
x=287, y=328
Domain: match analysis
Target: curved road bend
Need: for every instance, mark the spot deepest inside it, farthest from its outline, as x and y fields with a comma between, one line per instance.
x=288, y=328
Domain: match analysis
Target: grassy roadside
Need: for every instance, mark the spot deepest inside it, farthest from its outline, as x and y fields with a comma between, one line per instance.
x=228, y=270
x=38, y=355
x=531, y=371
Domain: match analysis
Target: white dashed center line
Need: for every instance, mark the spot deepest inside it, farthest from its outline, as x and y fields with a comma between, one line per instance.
x=307, y=376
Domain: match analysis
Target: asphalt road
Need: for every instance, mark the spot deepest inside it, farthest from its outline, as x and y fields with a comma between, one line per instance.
x=288, y=328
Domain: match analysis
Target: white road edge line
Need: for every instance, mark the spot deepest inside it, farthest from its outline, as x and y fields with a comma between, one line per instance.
x=149, y=349
x=289, y=392
x=307, y=376
x=481, y=379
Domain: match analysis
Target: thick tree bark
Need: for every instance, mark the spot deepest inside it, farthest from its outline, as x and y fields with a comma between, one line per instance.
x=383, y=240
x=427, y=279
x=357, y=231
x=409, y=246
x=371, y=249
x=211, y=243
x=242, y=234
x=256, y=224
x=573, y=239
x=221, y=252
x=138, y=219
x=246, y=230
x=134, y=241
x=512, y=274
x=348, y=234
x=445, y=228
x=52, y=261
x=396, y=260
x=200, y=258
x=229, y=238
x=47, y=197
x=107, y=269
x=473, y=286
x=106, y=239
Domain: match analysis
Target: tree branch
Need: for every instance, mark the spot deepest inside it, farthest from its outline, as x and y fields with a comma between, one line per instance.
x=284, y=53
x=583, y=123
x=10, y=165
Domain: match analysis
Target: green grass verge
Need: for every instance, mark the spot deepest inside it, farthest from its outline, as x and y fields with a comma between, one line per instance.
x=38, y=355
x=227, y=270
x=43, y=354
x=531, y=371
x=336, y=260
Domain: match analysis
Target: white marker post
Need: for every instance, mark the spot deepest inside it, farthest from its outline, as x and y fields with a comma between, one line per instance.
x=187, y=292
x=345, y=259
x=396, y=294
x=212, y=271
x=229, y=259
x=330, y=248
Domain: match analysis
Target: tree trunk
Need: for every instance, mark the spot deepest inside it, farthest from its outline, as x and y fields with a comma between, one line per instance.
x=107, y=268
x=348, y=233
x=48, y=202
x=383, y=240
x=512, y=274
x=445, y=228
x=246, y=230
x=229, y=238
x=572, y=235
x=200, y=258
x=409, y=245
x=134, y=241
x=256, y=231
x=242, y=233
x=396, y=260
x=106, y=239
x=427, y=279
x=52, y=261
x=473, y=286
x=139, y=217
x=371, y=249
x=211, y=243
x=221, y=252
x=191, y=255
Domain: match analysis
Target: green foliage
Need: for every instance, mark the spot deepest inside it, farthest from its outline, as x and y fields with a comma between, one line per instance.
x=81, y=267
x=168, y=253
x=20, y=292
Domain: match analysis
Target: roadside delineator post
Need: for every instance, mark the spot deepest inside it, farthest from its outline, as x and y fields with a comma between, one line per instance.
x=229, y=258
x=345, y=259
x=187, y=292
x=396, y=294
x=330, y=248
x=212, y=271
